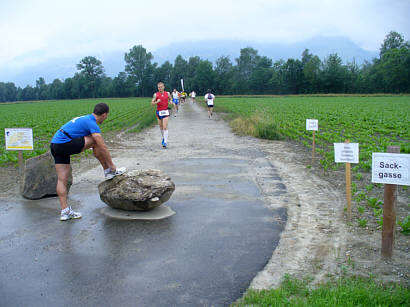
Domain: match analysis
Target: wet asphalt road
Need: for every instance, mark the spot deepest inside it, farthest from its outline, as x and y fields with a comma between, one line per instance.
x=205, y=255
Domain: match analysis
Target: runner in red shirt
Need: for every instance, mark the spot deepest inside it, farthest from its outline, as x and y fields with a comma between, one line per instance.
x=161, y=99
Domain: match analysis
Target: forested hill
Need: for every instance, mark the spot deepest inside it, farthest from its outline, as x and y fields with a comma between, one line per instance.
x=213, y=49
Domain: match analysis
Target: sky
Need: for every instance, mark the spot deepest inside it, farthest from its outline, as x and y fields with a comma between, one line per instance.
x=34, y=31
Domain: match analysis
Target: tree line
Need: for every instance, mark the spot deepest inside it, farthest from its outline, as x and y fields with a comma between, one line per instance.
x=251, y=73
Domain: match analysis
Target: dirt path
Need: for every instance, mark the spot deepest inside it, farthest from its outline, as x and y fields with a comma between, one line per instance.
x=316, y=241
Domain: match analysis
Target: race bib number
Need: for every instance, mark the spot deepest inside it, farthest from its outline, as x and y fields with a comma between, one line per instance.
x=163, y=113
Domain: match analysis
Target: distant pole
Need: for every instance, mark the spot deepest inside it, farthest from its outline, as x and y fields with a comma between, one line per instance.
x=348, y=189
x=389, y=213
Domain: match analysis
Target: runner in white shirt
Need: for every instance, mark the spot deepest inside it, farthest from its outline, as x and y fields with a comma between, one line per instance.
x=209, y=99
x=175, y=100
x=193, y=95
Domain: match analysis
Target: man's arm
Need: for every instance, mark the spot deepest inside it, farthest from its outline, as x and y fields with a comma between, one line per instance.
x=98, y=139
x=154, y=100
x=170, y=98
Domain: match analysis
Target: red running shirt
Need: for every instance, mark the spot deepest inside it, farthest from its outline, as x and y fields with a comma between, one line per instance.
x=163, y=104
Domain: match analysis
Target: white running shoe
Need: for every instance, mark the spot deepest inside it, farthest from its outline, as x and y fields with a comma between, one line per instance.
x=69, y=214
x=118, y=171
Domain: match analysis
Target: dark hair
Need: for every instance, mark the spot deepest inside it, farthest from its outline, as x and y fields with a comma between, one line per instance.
x=101, y=108
x=208, y=91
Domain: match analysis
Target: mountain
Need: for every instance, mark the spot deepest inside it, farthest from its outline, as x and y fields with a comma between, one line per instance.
x=213, y=49
x=113, y=62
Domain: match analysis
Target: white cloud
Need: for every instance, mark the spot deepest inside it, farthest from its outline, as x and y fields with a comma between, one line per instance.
x=33, y=31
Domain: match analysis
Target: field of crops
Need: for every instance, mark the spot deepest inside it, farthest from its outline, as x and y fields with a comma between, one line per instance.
x=373, y=122
x=47, y=116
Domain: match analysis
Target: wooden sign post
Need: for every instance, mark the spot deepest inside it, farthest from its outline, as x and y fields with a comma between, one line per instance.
x=347, y=153
x=390, y=168
x=312, y=124
x=19, y=139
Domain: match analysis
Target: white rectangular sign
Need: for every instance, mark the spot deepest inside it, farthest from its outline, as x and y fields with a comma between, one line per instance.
x=391, y=168
x=19, y=138
x=346, y=152
x=312, y=124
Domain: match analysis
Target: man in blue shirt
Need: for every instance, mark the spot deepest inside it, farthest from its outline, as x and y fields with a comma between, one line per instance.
x=77, y=135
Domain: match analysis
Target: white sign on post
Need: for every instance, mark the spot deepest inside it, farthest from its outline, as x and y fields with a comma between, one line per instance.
x=346, y=152
x=19, y=138
x=312, y=124
x=391, y=168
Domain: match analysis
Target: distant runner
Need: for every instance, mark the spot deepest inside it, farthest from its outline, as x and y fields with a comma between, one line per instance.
x=193, y=95
x=183, y=96
x=77, y=135
x=175, y=100
x=161, y=99
x=209, y=100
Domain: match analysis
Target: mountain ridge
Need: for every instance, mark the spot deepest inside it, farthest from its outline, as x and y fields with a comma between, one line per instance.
x=113, y=62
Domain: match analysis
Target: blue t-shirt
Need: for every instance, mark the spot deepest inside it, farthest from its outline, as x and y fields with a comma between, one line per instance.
x=77, y=127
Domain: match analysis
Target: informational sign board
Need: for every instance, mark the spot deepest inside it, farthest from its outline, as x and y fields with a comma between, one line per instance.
x=19, y=138
x=391, y=168
x=312, y=124
x=346, y=152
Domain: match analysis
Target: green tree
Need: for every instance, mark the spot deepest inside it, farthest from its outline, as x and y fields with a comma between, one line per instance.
x=41, y=89
x=333, y=74
x=259, y=79
x=395, y=69
x=179, y=72
x=56, y=90
x=8, y=92
x=393, y=40
x=204, y=78
x=140, y=69
x=164, y=73
x=246, y=63
x=92, y=70
x=223, y=75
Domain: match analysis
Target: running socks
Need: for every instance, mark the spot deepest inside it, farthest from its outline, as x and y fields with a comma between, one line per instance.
x=165, y=136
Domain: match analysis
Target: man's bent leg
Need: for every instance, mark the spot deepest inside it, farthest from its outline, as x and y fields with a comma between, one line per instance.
x=63, y=172
x=90, y=143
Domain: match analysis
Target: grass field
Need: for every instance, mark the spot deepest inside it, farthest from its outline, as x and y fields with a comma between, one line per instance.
x=46, y=117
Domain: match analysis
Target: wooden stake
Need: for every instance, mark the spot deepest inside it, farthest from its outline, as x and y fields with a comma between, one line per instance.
x=389, y=214
x=21, y=167
x=313, y=147
x=348, y=189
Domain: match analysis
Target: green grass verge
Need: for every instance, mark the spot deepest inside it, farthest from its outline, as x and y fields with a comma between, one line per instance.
x=343, y=292
x=45, y=117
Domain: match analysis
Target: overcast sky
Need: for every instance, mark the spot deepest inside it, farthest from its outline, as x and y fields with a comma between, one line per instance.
x=32, y=31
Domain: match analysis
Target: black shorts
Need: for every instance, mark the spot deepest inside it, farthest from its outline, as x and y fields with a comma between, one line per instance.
x=62, y=152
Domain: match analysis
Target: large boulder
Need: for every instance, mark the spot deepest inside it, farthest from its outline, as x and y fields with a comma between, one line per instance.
x=137, y=190
x=40, y=177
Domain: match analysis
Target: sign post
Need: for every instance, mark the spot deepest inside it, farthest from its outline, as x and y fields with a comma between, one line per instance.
x=19, y=139
x=392, y=169
x=347, y=153
x=312, y=124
